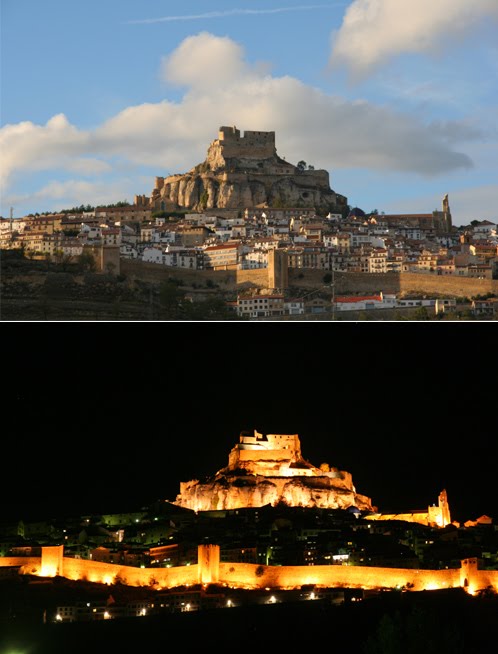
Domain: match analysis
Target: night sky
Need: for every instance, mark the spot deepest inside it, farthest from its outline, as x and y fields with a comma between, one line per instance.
x=112, y=416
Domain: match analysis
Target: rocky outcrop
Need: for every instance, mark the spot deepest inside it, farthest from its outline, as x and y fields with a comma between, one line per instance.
x=270, y=469
x=243, y=172
x=237, y=492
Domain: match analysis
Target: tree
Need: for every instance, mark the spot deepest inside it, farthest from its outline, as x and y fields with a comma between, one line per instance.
x=62, y=259
x=327, y=278
x=301, y=165
x=420, y=630
x=421, y=314
x=86, y=261
x=310, y=167
x=204, y=199
x=170, y=297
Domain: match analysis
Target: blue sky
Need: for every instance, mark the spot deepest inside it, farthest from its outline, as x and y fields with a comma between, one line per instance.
x=397, y=99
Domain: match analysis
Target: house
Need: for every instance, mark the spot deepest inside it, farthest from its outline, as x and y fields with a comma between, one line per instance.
x=317, y=305
x=111, y=236
x=146, y=233
x=260, y=306
x=359, y=302
x=480, y=271
x=222, y=257
x=254, y=260
x=485, y=307
x=154, y=255
x=127, y=251
x=294, y=307
x=377, y=261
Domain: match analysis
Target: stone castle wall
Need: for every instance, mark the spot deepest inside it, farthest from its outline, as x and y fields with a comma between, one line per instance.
x=445, y=285
x=209, y=569
x=253, y=145
x=448, y=286
x=245, y=171
x=330, y=576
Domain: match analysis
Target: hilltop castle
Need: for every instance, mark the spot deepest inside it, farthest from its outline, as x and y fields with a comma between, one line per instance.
x=269, y=469
x=241, y=172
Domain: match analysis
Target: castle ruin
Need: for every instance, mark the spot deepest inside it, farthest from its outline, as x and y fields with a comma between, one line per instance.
x=244, y=171
x=270, y=469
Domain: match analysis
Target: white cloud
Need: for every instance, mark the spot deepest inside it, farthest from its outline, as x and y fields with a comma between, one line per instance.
x=373, y=31
x=60, y=195
x=205, y=60
x=327, y=131
x=88, y=166
x=229, y=13
x=26, y=146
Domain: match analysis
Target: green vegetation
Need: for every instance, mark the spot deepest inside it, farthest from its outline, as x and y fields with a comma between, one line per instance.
x=204, y=199
x=421, y=630
x=421, y=314
x=87, y=262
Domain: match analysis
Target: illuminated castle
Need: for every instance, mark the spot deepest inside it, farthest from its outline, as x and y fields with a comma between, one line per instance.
x=435, y=516
x=268, y=469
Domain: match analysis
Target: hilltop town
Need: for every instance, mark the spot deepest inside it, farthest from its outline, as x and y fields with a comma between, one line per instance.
x=254, y=557
x=268, y=240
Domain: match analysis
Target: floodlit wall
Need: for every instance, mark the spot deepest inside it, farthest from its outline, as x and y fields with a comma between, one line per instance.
x=29, y=565
x=52, y=561
x=253, y=576
x=109, y=573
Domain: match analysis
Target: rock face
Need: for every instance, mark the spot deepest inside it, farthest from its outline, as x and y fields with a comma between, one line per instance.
x=243, y=172
x=269, y=469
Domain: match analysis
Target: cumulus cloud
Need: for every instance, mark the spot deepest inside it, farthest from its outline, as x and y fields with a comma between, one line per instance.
x=205, y=60
x=374, y=31
x=60, y=195
x=325, y=130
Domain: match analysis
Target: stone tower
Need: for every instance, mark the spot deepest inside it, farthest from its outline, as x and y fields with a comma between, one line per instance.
x=447, y=213
x=278, y=270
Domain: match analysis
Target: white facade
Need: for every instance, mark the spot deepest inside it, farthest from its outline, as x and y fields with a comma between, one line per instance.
x=294, y=307
x=154, y=255
x=127, y=251
x=255, y=259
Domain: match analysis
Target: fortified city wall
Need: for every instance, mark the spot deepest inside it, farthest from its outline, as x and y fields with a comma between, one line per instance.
x=313, y=279
x=209, y=569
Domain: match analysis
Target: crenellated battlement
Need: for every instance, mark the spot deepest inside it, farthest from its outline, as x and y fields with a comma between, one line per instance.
x=250, y=145
x=243, y=170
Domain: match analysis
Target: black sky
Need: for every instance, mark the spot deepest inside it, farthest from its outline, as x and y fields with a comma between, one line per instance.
x=101, y=417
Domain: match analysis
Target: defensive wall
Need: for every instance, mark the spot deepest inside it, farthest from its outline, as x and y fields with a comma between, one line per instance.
x=209, y=569
x=225, y=279
x=259, y=145
x=313, y=280
x=446, y=285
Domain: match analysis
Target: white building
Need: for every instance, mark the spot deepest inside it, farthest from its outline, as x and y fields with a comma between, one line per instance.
x=294, y=307
x=154, y=255
x=127, y=251
x=255, y=259
x=365, y=302
x=260, y=306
